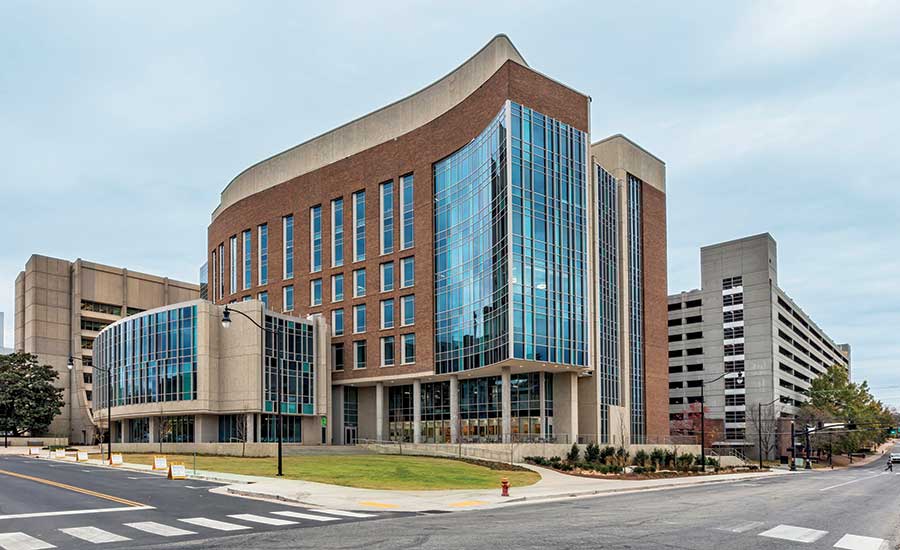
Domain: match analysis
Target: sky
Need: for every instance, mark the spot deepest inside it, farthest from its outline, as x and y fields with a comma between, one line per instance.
x=120, y=124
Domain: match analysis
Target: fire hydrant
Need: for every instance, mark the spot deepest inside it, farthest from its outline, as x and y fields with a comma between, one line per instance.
x=504, y=487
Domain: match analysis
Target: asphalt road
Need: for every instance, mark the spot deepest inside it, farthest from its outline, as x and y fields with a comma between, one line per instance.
x=46, y=504
x=855, y=509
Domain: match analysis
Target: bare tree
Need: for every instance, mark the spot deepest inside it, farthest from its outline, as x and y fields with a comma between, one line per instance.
x=240, y=432
x=766, y=426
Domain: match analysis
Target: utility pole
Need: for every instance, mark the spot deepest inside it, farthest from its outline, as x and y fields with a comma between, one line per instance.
x=808, y=465
x=759, y=433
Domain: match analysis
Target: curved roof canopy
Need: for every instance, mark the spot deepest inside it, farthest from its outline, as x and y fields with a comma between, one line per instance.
x=377, y=127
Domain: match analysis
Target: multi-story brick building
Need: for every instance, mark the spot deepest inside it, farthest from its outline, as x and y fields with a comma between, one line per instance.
x=487, y=274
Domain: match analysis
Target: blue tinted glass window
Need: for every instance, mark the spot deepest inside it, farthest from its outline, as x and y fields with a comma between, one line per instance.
x=387, y=217
x=337, y=233
x=288, y=239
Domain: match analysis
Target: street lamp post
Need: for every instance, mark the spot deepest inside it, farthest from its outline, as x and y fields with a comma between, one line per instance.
x=793, y=449
x=71, y=365
x=740, y=378
x=276, y=339
x=807, y=466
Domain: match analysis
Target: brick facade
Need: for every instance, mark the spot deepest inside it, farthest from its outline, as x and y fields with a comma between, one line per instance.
x=414, y=152
x=656, y=346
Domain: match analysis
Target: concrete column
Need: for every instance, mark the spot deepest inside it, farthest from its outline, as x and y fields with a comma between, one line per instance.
x=506, y=404
x=153, y=426
x=249, y=428
x=454, y=409
x=122, y=430
x=379, y=411
x=417, y=411
x=337, y=416
x=572, y=406
x=543, y=399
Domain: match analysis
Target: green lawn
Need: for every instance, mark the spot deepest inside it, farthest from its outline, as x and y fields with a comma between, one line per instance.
x=364, y=471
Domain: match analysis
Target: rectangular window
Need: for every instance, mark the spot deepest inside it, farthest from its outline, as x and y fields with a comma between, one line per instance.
x=263, y=253
x=289, y=298
x=213, y=282
x=246, y=298
x=315, y=239
x=387, y=351
x=337, y=356
x=387, y=217
x=408, y=309
x=359, y=283
x=221, y=271
x=264, y=298
x=315, y=292
x=248, y=255
x=406, y=210
x=233, y=264
x=359, y=318
x=387, y=313
x=359, y=354
x=287, y=235
x=337, y=322
x=337, y=287
x=409, y=349
x=407, y=272
x=337, y=232
x=387, y=277
x=359, y=226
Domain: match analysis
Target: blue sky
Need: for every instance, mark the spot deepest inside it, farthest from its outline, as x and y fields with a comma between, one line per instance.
x=121, y=123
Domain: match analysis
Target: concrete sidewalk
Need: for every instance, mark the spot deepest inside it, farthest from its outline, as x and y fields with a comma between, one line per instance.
x=553, y=485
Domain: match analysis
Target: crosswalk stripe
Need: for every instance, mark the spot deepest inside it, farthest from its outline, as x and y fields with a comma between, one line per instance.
x=300, y=515
x=215, y=524
x=159, y=529
x=794, y=533
x=21, y=541
x=93, y=534
x=262, y=519
x=742, y=527
x=856, y=542
x=343, y=513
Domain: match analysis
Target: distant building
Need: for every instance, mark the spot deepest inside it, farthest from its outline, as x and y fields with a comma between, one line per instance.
x=3, y=349
x=740, y=320
x=61, y=306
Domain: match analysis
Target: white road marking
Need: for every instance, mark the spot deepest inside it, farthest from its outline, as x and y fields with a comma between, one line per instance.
x=796, y=534
x=253, y=518
x=192, y=487
x=21, y=541
x=215, y=524
x=849, y=482
x=742, y=527
x=76, y=512
x=93, y=534
x=300, y=515
x=159, y=529
x=856, y=542
x=342, y=513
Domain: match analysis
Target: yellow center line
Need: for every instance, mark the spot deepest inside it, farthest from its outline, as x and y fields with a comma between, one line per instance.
x=73, y=488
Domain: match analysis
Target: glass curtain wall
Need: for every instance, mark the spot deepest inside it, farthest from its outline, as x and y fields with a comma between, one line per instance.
x=298, y=375
x=400, y=413
x=436, y=412
x=636, y=308
x=471, y=253
x=607, y=296
x=152, y=358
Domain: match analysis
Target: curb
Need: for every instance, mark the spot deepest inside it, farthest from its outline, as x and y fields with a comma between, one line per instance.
x=515, y=500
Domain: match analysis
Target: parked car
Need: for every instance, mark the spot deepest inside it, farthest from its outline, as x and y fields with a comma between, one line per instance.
x=895, y=457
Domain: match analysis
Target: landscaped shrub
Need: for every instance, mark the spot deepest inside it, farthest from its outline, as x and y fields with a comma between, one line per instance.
x=641, y=457
x=668, y=459
x=685, y=461
x=592, y=452
x=657, y=457
x=555, y=460
x=622, y=456
x=573, y=454
x=607, y=453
